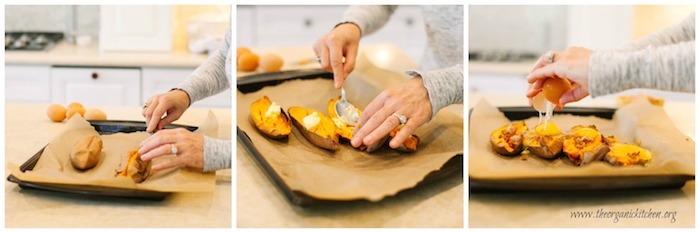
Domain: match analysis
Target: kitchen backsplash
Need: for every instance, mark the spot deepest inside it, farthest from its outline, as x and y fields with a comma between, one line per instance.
x=517, y=28
x=52, y=18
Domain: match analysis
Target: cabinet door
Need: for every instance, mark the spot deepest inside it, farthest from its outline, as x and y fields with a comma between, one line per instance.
x=159, y=80
x=135, y=28
x=27, y=83
x=96, y=86
x=406, y=29
x=294, y=25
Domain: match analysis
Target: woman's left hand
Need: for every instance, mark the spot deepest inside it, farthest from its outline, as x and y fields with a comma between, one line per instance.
x=190, y=149
x=410, y=99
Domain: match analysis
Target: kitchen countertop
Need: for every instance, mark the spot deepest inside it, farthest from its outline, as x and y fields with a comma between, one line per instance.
x=520, y=68
x=28, y=130
x=261, y=204
x=504, y=210
x=65, y=54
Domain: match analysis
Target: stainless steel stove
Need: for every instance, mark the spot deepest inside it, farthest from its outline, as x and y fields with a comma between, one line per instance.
x=31, y=41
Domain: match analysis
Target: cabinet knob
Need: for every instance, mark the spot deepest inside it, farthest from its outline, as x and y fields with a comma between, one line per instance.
x=409, y=22
x=94, y=75
x=308, y=23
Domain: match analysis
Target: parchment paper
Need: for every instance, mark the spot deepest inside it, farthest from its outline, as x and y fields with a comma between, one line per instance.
x=348, y=174
x=674, y=153
x=54, y=165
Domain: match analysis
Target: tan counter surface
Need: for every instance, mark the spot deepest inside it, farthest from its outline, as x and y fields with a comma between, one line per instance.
x=504, y=210
x=261, y=204
x=27, y=130
x=64, y=54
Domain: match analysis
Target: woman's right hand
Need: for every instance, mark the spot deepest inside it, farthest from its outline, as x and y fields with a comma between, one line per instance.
x=571, y=64
x=172, y=103
x=341, y=42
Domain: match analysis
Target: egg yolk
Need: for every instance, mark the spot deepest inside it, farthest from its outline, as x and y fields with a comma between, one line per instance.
x=553, y=88
x=551, y=129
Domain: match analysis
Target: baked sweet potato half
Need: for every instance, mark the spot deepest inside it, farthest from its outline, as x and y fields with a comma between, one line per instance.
x=508, y=139
x=544, y=142
x=136, y=169
x=410, y=144
x=316, y=127
x=344, y=130
x=269, y=118
x=623, y=154
x=584, y=144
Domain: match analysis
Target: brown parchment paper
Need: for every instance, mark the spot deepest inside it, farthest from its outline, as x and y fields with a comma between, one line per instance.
x=54, y=165
x=348, y=174
x=674, y=153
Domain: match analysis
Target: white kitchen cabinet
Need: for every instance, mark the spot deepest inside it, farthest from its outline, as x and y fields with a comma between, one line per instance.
x=494, y=83
x=275, y=26
x=96, y=86
x=159, y=80
x=135, y=28
x=27, y=83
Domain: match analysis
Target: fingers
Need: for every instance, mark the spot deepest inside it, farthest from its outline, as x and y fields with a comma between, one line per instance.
x=156, y=117
x=375, y=121
x=542, y=61
x=403, y=133
x=148, y=111
x=350, y=56
x=161, y=150
x=336, y=62
x=376, y=136
x=535, y=88
x=324, y=56
x=174, y=162
x=541, y=73
x=574, y=94
x=164, y=137
x=169, y=118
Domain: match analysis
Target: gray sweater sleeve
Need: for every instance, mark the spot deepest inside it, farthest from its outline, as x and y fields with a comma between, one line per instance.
x=684, y=31
x=445, y=86
x=208, y=79
x=217, y=154
x=213, y=76
x=664, y=61
x=369, y=18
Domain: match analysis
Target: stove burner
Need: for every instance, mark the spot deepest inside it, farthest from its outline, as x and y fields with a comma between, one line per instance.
x=31, y=41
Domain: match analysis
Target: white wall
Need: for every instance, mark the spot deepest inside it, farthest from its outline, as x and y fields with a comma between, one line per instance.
x=599, y=27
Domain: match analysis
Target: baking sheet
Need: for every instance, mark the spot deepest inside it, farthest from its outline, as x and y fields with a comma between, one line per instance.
x=674, y=153
x=53, y=167
x=347, y=174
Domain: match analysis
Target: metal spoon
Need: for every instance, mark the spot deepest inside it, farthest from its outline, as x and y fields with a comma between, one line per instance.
x=347, y=113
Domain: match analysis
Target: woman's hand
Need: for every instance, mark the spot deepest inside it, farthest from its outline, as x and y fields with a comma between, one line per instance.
x=172, y=103
x=572, y=64
x=341, y=42
x=377, y=120
x=190, y=149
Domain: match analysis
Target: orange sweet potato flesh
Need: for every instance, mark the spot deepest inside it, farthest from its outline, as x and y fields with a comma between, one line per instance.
x=136, y=169
x=410, y=144
x=584, y=145
x=323, y=135
x=276, y=127
x=508, y=139
x=343, y=130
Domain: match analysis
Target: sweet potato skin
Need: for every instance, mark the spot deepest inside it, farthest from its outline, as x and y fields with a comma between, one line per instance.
x=86, y=152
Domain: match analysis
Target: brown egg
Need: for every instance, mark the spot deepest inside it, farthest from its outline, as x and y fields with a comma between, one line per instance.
x=248, y=62
x=95, y=114
x=75, y=109
x=56, y=112
x=75, y=104
x=271, y=63
x=241, y=50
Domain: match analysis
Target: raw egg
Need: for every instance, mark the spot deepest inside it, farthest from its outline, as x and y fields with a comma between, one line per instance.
x=553, y=88
x=242, y=50
x=74, y=108
x=95, y=114
x=56, y=112
x=271, y=63
x=248, y=62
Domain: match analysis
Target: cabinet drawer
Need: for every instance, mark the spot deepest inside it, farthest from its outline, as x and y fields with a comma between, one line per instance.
x=295, y=25
x=96, y=86
x=159, y=80
x=27, y=83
